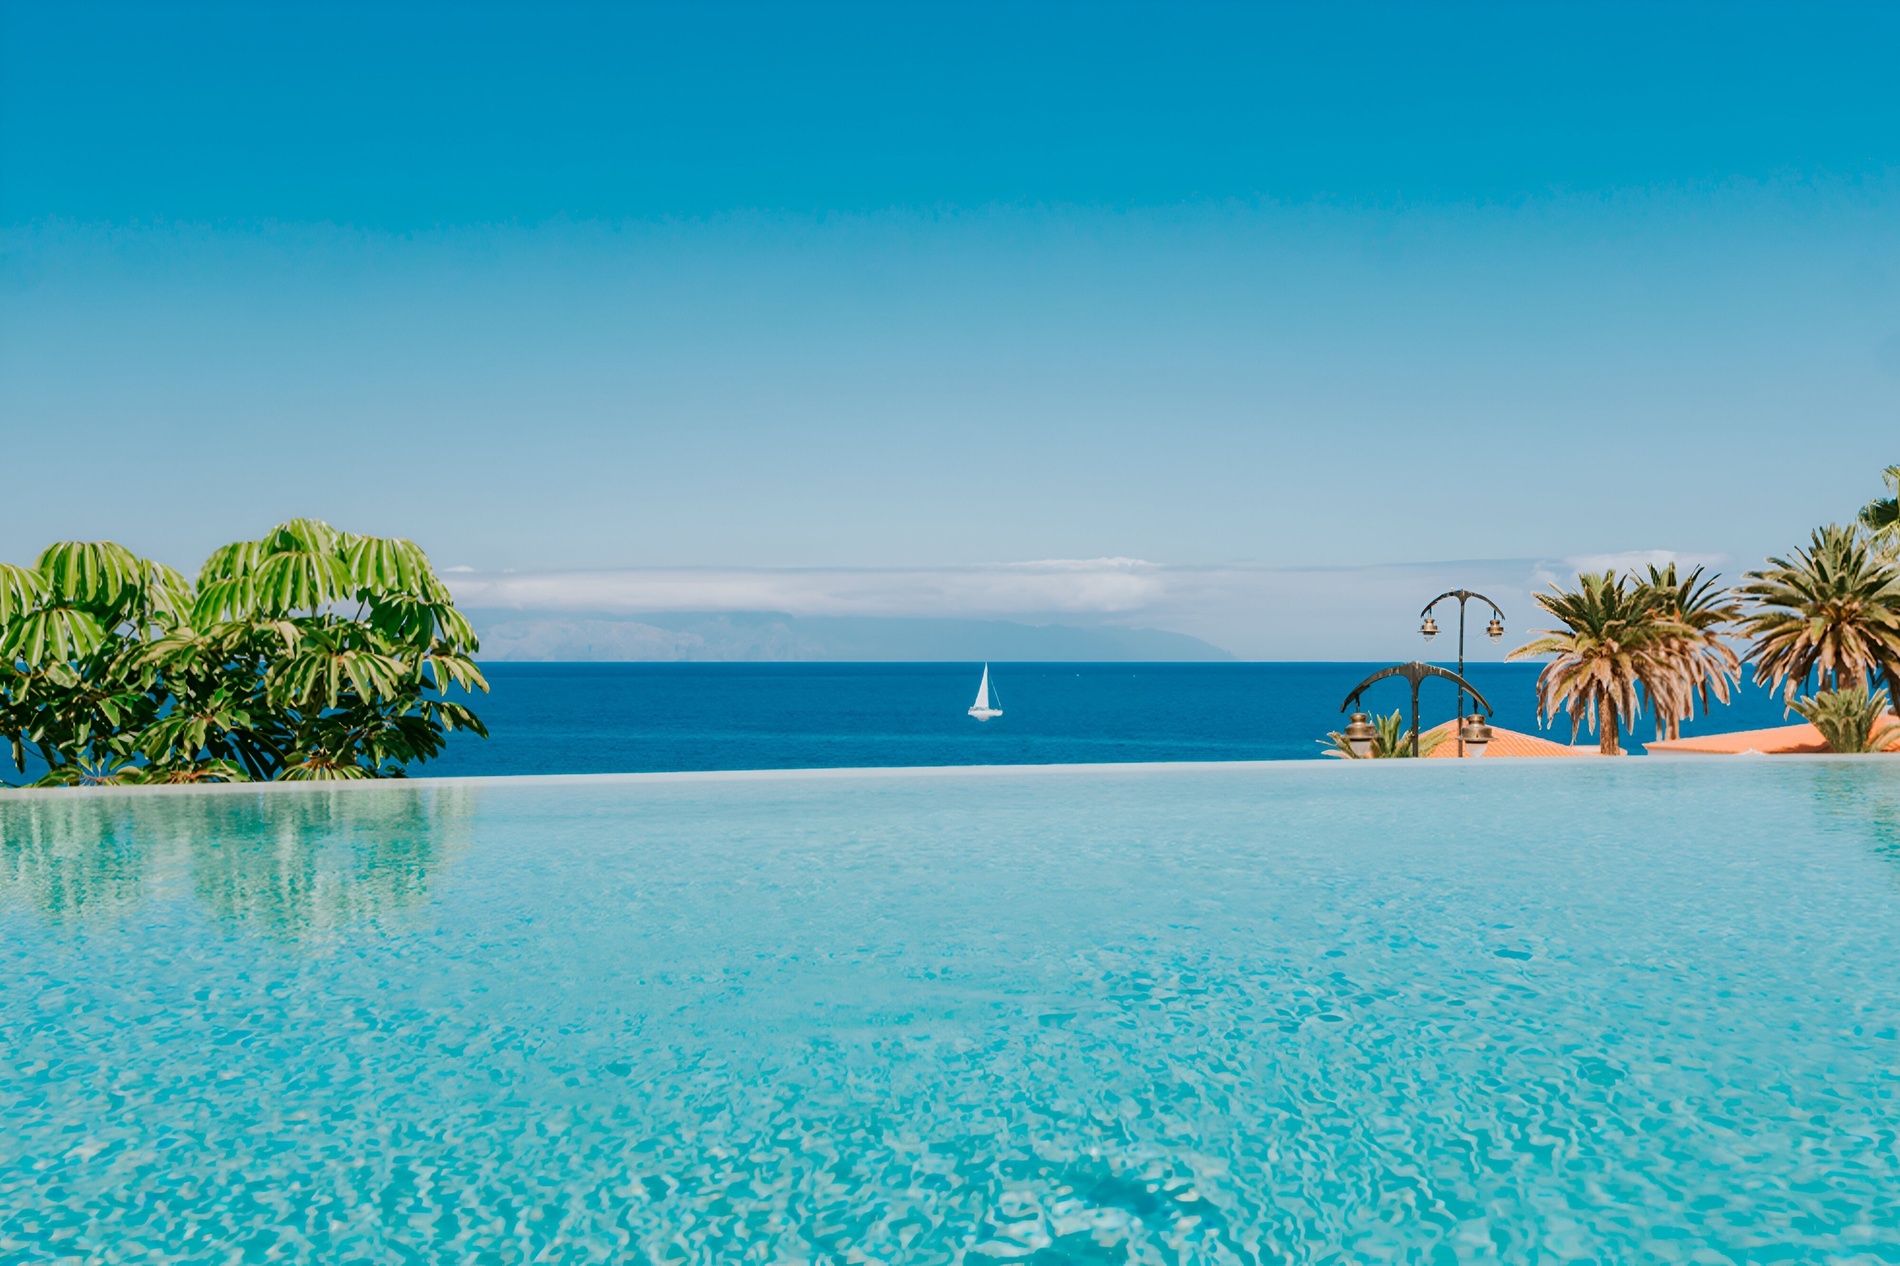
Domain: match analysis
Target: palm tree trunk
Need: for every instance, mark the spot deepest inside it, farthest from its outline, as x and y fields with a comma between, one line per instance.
x=1606, y=737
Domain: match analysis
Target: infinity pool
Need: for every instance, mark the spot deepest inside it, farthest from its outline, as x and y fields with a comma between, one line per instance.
x=1515, y=1011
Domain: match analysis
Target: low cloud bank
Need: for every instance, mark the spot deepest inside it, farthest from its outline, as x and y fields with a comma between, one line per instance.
x=760, y=636
x=1253, y=612
x=1101, y=586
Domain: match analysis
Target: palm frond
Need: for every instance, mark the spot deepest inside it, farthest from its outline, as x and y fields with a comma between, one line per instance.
x=1619, y=641
x=1829, y=613
x=1881, y=516
x=1851, y=720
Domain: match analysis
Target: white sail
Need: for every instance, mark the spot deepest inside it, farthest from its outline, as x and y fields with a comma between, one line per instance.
x=982, y=710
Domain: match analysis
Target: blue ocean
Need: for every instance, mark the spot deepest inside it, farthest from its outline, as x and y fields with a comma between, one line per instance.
x=647, y=717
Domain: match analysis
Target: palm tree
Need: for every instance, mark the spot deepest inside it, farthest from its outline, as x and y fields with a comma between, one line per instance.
x=1832, y=612
x=1615, y=637
x=1881, y=516
x=1851, y=720
x=1700, y=664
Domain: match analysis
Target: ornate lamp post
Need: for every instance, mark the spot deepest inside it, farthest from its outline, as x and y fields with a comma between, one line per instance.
x=1360, y=733
x=1428, y=627
x=1472, y=731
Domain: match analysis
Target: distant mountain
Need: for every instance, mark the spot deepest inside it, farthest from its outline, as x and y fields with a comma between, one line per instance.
x=766, y=635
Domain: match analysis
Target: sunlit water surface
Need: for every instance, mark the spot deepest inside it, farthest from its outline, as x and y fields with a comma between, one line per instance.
x=1437, y=1012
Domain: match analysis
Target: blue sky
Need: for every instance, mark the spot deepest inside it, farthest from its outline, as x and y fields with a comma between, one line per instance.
x=557, y=288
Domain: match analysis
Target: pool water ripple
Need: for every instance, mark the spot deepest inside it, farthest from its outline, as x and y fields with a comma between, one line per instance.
x=1223, y=1015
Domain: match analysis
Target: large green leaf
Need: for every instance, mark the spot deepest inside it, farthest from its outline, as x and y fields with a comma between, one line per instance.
x=456, y=631
x=225, y=598
x=20, y=588
x=233, y=562
x=393, y=566
x=321, y=673
x=455, y=670
x=322, y=769
x=100, y=574
x=303, y=536
x=422, y=624
x=185, y=732
x=105, y=775
x=191, y=773
x=279, y=585
x=299, y=565
x=52, y=635
x=453, y=716
x=300, y=582
x=165, y=593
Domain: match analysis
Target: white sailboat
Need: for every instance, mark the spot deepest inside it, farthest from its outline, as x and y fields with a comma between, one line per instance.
x=983, y=711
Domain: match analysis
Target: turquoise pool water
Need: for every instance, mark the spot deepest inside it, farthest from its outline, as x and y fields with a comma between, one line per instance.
x=1500, y=1011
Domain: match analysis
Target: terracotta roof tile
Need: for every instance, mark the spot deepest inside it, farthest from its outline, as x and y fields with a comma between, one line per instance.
x=1779, y=740
x=1507, y=743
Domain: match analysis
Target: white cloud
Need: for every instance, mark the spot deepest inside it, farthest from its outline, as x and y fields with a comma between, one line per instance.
x=1250, y=610
x=1637, y=559
x=1546, y=574
x=1100, y=586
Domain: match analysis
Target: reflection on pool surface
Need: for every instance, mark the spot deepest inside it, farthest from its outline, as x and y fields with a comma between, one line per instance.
x=1622, y=1011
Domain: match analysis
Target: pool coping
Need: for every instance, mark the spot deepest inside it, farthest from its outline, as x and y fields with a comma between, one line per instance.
x=820, y=773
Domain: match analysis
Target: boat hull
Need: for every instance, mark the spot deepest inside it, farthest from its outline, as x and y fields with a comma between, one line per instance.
x=984, y=714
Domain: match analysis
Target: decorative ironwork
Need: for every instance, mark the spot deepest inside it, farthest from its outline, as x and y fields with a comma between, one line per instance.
x=1494, y=630
x=1474, y=733
x=1416, y=672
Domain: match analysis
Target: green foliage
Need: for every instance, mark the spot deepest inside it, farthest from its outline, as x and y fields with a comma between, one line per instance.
x=1881, y=516
x=1830, y=612
x=1616, y=637
x=307, y=654
x=1393, y=740
x=74, y=686
x=1691, y=662
x=1848, y=718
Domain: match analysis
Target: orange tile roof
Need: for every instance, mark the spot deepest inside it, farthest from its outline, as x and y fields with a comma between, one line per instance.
x=1506, y=743
x=1778, y=740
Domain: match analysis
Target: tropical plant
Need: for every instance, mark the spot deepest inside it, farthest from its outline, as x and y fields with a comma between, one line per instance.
x=1392, y=740
x=74, y=685
x=1694, y=664
x=1831, y=612
x=307, y=654
x=1881, y=516
x=1847, y=718
x=1616, y=637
